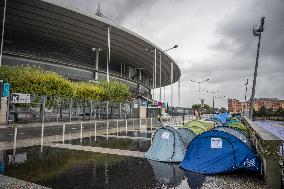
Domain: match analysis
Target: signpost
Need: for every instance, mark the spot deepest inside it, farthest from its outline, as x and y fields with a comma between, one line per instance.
x=19, y=98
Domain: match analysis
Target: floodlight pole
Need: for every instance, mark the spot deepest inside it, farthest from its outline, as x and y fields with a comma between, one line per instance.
x=3, y=31
x=256, y=32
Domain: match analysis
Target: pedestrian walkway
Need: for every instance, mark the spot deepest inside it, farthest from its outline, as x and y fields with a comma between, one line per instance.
x=272, y=127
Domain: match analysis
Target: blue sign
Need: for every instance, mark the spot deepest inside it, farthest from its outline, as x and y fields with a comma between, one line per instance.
x=6, y=89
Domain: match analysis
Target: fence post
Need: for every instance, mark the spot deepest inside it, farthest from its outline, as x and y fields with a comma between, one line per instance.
x=132, y=124
x=70, y=109
x=151, y=123
x=107, y=128
x=120, y=110
x=126, y=126
x=139, y=123
x=91, y=109
x=63, y=133
x=43, y=99
x=95, y=131
x=81, y=132
x=117, y=128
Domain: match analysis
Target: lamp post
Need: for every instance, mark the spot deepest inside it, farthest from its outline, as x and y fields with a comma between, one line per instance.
x=199, y=83
x=160, y=73
x=213, y=104
x=245, y=103
x=256, y=32
x=160, y=69
x=3, y=31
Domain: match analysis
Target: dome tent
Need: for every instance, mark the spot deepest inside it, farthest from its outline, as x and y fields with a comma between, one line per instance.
x=216, y=152
x=222, y=117
x=198, y=126
x=169, y=144
x=235, y=133
x=239, y=126
x=216, y=121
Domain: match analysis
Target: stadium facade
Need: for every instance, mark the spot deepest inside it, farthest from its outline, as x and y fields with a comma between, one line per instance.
x=76, y=45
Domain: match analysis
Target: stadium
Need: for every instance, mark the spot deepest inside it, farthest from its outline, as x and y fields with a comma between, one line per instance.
x=81, y=46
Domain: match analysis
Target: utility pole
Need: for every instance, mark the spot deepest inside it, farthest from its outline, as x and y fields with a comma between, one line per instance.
x=256, y=32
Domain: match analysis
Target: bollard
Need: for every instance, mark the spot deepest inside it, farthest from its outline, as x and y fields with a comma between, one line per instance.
x=63, y=133
x=95, y=131
x=81, y=132
x=15, y=141
x=126, y=126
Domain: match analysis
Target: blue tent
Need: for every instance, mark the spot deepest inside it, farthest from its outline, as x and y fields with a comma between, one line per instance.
x=222, y=117
x=217, y=151
x=169, y=144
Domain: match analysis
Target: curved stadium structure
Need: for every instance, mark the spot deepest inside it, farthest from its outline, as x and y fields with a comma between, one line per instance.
x=74, y=44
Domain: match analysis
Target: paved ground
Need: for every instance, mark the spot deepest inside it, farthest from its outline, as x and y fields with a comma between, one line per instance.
x=273, y=127
x=234, y=180
x=12, y=183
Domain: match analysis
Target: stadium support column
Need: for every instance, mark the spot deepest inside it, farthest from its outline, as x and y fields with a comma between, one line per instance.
x=97, y=64
x=108, y=61
x=172, y=78
x=108, y=51
x=3, y=32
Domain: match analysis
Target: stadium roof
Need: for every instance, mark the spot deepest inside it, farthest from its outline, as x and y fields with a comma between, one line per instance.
x=50, y=23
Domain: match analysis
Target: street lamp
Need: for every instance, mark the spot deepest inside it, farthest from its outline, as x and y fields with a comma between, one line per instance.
x=160, y=68
x=245, y=103
x=199, y=83
x=213, y=92
x=256, y=32
x=160, y=74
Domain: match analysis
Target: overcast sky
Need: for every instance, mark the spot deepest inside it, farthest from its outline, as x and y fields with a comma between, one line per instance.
x=215, y=41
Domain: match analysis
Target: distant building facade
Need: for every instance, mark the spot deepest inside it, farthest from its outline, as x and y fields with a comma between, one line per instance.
x=236, y=106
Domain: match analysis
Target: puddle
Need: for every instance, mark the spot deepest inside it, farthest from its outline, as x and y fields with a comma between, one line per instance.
x=141, y=145
x=62, y=168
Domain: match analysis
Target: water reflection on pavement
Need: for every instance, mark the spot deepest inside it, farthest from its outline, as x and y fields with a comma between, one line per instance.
x=62, y=168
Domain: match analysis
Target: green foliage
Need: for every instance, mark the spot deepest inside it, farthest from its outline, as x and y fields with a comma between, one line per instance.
x=207, y=109
x=115, y=91
x=88, y=91
x=33, y=80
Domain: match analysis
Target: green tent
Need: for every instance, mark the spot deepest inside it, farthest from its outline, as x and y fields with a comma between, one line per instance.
x=199, y=126
x=239, y=126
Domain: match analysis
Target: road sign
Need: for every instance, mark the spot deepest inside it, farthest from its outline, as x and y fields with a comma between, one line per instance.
x=20, y=98
x=6, y=89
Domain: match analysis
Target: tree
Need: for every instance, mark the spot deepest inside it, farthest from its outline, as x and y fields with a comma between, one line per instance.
x=262, y=112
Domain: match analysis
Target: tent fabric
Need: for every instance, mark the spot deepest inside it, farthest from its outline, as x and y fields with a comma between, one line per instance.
x=196, y=126
x=239, y=126
x=222, y=117
x=235, y=133
x=169, y=144
x=168, y=174
x=186, y=135
x=216, y=121
x=215, y=152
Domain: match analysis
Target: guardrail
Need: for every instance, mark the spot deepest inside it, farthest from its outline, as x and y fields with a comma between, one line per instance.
x=270, y=149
